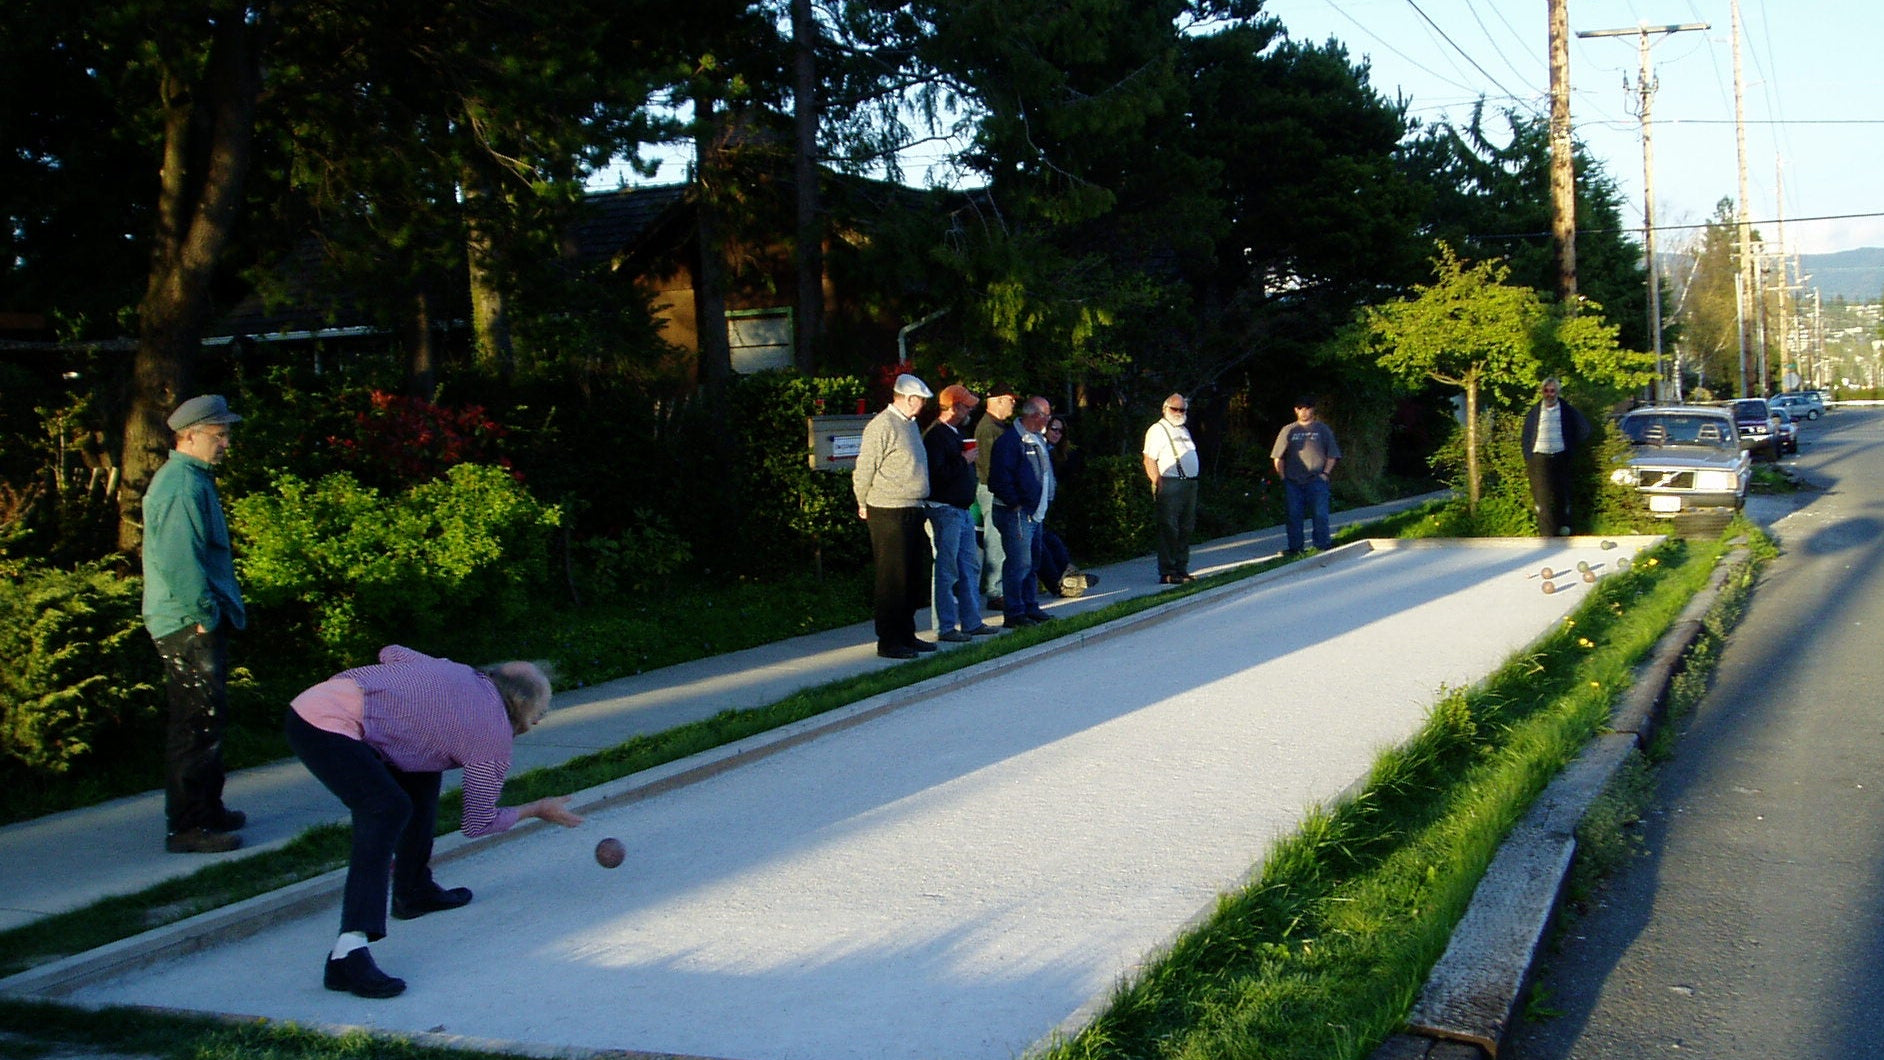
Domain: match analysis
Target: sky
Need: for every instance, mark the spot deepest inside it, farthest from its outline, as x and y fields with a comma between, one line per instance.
x=1813, y=97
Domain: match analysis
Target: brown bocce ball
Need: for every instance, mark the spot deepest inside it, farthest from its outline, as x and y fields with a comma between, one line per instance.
x=609, y=853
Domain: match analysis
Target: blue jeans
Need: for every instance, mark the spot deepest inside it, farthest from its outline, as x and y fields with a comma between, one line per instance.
x=394, y=813
x=1302, y=496
x=993, y=557
x=1019, y=586
x=957, y=594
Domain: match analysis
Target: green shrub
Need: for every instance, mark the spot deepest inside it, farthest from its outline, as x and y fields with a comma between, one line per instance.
x=79, y=678
x=798, y=516
x=633, y=560
x=360, y=570
x=1106, y=514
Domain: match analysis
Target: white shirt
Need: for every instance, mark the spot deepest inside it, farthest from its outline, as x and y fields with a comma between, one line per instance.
x=1171, y=446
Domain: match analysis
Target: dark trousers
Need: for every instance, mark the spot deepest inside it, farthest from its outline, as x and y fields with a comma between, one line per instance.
x=1051, y=558
x=1177, y=517
x=394, y=815
x=196, y=670
x=900, y=549
x=1550, y=490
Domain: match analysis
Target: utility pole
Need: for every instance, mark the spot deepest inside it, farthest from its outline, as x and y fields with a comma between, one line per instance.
x=1645, y=94
x=1746, y=225
x=1563, y=194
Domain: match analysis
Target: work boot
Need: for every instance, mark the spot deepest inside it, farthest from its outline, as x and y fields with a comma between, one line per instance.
x=201, y=841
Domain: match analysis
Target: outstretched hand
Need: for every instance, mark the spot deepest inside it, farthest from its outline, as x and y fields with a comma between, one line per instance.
x=554, y=809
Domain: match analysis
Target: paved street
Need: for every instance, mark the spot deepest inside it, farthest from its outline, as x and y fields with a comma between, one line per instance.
x=1751, y=927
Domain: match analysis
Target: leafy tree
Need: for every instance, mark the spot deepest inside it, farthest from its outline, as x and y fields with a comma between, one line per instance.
x=1492, y=340
x=1492, y=200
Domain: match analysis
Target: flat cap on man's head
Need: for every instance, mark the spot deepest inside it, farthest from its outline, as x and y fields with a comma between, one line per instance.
x=202, y=409
x=907, y=385
x=956, y=395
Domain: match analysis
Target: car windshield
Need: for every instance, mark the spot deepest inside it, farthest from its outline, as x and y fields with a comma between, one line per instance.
x=1673, y=428
x=1750, y=409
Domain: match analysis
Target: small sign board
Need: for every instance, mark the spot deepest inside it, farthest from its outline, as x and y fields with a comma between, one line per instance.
x=835, y=441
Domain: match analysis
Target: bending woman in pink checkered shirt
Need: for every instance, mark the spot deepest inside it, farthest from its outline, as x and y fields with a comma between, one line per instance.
x=379, y=737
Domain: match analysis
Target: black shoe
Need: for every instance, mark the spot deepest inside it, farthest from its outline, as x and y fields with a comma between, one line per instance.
x=228, y=821
x=996, y=603
x=201, y=841
x=1169, y=579
x=984, y=630
x=356, y=974
x=922, y=646
x=437, y=901
x=896, y=651
x=1039, y=617
x=955, y=636
x=1017, y=621
x=1186, y=578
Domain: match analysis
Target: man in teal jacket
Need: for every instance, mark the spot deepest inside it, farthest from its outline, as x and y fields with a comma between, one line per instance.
x=191, y=602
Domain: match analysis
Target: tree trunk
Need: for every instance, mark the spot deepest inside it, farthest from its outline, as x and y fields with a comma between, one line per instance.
x=808, y=257
x=208, y=141
x=1471, y=444
x=421, y=354
x=493, y=350
x=716, y=355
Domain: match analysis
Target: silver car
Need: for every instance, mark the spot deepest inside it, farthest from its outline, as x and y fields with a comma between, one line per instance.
x=1685, y=458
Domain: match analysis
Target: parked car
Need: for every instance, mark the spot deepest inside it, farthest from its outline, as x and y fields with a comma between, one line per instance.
x=1685, y=459
x=1759, y=430
x=1801, y=403
x=1788, y=428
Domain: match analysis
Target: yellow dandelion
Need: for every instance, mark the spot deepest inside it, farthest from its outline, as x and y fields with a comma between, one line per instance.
x=1586, y=642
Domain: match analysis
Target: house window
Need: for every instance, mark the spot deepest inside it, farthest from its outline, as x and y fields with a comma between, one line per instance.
x=760, y=339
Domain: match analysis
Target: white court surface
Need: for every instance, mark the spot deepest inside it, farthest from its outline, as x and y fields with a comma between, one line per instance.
x=955, y=878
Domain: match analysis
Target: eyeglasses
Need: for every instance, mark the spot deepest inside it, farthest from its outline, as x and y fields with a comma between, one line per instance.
x=1177, y=408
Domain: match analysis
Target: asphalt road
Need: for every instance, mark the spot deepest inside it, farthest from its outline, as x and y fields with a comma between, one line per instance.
x=1750, y=926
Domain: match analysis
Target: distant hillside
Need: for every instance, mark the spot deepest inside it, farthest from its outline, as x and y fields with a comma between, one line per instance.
x=1855, y=275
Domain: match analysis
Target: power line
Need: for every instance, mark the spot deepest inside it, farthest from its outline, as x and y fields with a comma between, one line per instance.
x=1704, y=224
x=1414, y=4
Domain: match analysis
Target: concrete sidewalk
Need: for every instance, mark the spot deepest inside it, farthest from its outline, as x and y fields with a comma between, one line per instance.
x=69, y=860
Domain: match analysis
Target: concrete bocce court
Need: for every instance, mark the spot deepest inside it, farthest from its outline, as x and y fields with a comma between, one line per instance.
x=962, y=868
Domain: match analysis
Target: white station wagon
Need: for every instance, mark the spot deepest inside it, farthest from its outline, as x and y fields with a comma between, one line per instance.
x=1686, y=458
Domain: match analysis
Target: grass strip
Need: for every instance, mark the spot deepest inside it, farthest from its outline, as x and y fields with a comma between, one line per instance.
x=1324, y=953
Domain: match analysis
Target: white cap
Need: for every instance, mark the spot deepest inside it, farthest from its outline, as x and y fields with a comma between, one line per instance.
x=909, y=384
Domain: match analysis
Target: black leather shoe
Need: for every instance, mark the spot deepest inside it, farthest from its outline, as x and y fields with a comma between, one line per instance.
x=1039, y=617
x=356, y=974
x=896, y=651
x=228, y=821
x=984, y=630
x=922, y=646
x=437, y=901
x=201, y=841
x=954, y=636
x=1017, y=621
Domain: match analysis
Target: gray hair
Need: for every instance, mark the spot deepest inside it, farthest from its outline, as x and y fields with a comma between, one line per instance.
x=526, y=691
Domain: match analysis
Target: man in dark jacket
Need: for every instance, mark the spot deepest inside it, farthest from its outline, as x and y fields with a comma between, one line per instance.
x=1021, y=479
x=1553, y=431
x=955, y=607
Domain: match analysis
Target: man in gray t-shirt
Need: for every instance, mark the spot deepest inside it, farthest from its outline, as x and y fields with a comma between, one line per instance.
x=1305, y=455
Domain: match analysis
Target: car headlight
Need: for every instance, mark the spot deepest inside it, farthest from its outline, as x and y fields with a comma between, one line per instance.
x=1625, y=476
x=1716, y=480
